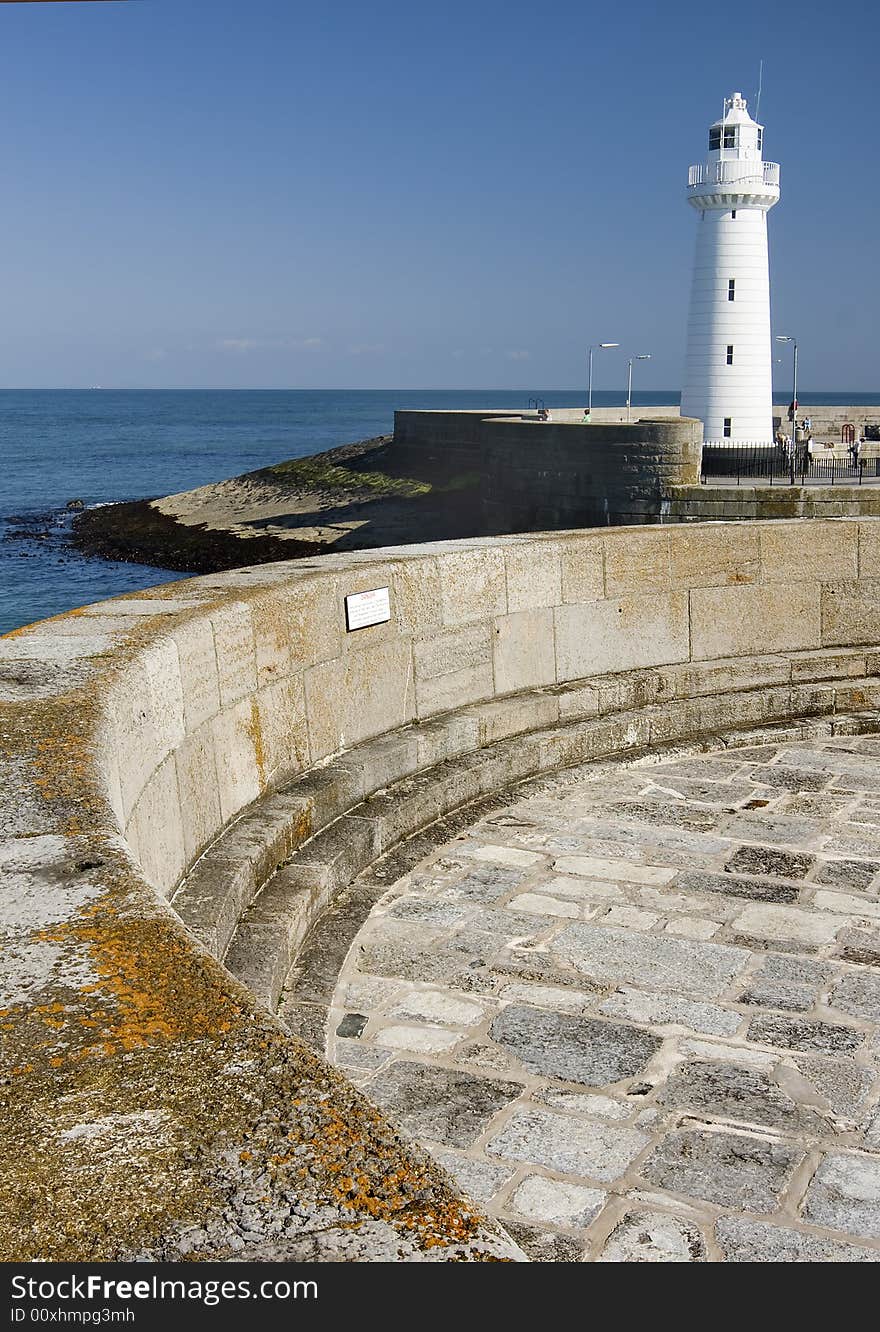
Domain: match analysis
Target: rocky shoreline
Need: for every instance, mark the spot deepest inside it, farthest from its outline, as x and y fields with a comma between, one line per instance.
x=136, y=532
x=354, y=497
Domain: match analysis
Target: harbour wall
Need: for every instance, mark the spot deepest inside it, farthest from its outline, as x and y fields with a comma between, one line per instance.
x=193, y=777
x=564, y=473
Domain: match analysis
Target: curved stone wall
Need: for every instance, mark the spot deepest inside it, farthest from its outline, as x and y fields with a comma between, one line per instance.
x=137, y=730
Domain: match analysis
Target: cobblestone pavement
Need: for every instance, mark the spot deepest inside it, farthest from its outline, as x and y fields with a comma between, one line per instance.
x=635, y=1013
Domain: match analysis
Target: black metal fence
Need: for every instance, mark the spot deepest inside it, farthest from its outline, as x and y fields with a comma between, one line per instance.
x=778, y=466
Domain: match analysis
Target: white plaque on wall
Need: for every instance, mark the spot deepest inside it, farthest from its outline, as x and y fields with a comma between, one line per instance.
x=365, y=608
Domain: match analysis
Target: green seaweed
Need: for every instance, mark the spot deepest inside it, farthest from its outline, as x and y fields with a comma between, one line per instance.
x=314, y=474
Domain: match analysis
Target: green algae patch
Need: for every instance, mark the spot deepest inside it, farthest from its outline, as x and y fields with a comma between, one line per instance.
x=314, y=474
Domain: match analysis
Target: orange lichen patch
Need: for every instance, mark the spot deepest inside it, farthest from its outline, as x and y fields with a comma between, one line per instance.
x=159, y=988
x=391, y=1195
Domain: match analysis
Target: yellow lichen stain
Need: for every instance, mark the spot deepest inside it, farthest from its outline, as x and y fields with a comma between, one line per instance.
x=434, y=1223
x=151, y=987
x=255, y=734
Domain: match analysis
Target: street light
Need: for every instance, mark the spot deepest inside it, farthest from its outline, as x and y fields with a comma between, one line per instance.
x=646, y=356
x=784, y=337
x=599, y=346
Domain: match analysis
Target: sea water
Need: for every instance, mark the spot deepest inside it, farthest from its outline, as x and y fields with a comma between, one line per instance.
x=100, y=446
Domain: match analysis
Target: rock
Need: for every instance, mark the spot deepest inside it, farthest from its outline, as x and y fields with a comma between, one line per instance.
x=74, y=505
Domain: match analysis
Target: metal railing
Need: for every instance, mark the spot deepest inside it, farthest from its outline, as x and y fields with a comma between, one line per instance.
x=733, y=173
x=734, y=464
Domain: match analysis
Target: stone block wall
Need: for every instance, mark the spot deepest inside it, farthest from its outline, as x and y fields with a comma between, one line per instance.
x=561, y=473
x=136, y=730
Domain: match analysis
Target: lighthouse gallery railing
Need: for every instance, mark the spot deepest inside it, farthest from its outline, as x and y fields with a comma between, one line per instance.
x=733, y=173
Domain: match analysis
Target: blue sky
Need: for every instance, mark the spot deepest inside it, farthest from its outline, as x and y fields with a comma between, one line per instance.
x=269, y=194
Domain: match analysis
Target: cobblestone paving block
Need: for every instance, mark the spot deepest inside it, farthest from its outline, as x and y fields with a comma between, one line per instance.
x=730, y=1092
x=631, y=917
x=744, y=1241
x=845, y=1195
x=418, y=1040
x=664, y=813
x=424, y=911
x=695, y=969
x=854, y=839
x=654, y=1237
x=796, y=971
x=858, y=993
x=734, y=885
x=545, y=1246
x=570, y=1147
x=501, y=855
x=550, y=996
x=769, y=860
x=440, y=1104
x=556, y=1202
x=584, y=1103
x=357, y=1055
x=543, y=905
x=781, y=830
x=872, y=1131
x=662, y=846
x=667, y=1009
x=717, y=792
x=840, y=1084
x=352, y=1024
x=859, y=946
x=790, y=779
x=800, y=1034
x=785, y=924
x=409, y=952
x=572, y=1049
x=435, y=1006
x=724, y=1168
x=779, y=994
x=597, y=867
x=482, y=884
x=480, y=1180
x=590, y=890
x=848, y=903
x=721, y=768
x=367, y=992
x=723, y=1053
x=691, y=927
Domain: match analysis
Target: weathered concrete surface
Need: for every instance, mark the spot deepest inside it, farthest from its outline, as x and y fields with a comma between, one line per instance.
x=709, y=503
x=628, y=1061
x=134, y=731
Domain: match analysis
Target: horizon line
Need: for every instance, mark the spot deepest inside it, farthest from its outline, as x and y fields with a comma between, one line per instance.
x=279, y=388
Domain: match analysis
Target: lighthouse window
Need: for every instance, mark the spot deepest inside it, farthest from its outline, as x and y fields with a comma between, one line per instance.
x=731, y=289
x=760, y=139
x=733, y=214
x=730, y=353
x=730, y=136
x=714, y=138
x=728, y=425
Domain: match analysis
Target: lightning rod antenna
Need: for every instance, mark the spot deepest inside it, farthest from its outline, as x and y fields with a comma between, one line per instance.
x=760, y=85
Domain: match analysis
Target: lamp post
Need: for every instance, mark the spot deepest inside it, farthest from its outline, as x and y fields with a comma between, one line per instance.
x=784, y=337
x=645, y=356
x=599, y=346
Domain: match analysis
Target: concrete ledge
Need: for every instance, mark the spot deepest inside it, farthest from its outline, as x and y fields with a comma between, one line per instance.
x=134, y=732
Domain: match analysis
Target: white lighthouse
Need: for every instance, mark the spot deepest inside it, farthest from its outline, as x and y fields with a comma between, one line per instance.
x=728, y=374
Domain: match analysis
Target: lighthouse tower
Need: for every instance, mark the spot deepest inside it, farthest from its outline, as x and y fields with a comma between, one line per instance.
x=727, y=382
